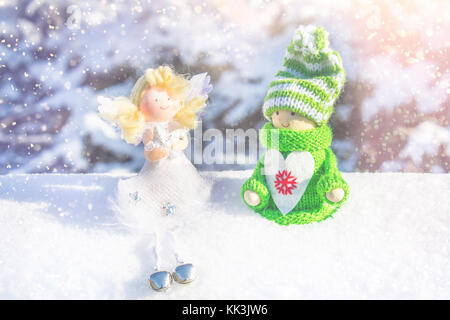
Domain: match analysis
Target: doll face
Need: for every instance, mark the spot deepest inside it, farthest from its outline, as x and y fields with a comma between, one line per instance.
x=158, y=106
x=285, y=119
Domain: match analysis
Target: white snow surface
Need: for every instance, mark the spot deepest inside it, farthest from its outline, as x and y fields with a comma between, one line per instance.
x=59, y=239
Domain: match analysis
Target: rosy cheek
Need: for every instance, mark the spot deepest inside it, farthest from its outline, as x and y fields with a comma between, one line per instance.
x=149, y=106
x=145, y=106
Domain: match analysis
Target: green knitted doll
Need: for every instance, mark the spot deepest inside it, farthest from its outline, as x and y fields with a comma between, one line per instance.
x=297, y=180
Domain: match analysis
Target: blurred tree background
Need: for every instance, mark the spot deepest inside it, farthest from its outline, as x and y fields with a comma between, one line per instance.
x=57, y=56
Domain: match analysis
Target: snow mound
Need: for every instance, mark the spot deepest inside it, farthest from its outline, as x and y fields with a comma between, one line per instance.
x=59, y=239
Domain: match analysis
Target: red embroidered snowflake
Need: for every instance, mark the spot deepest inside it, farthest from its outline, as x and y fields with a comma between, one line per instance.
x=285, y=182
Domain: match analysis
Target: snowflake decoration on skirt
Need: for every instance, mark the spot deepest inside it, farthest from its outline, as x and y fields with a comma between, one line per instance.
x=169, y=208
x=285, y=182
x=135, y=198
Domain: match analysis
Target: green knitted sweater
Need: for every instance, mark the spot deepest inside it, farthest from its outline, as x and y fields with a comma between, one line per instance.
x=313, y=205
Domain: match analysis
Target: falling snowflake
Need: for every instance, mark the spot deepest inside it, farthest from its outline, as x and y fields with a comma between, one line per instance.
x=285, y=182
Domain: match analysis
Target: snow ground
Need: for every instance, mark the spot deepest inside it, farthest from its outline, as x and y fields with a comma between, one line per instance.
x=58, y=239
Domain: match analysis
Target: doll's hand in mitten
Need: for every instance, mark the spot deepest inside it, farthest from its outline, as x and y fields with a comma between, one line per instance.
x=252, y=198
x=335, y=195
x=180, y=143
x=255, y=194
x=155, y=154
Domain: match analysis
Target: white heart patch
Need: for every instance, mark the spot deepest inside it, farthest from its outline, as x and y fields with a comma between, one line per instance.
x=287, y=179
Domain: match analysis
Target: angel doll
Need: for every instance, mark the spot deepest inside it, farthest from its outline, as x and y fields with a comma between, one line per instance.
x=161, y=109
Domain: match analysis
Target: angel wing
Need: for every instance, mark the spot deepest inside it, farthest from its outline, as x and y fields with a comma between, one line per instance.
x=112, y=110
x=199, y=86
x=107, y=108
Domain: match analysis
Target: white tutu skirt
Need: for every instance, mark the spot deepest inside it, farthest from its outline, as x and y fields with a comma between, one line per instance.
x=143, y=199
x=142, y=207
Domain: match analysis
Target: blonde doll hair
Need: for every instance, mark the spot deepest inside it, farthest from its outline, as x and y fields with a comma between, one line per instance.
x=176, y=87
x=130, y=118
x=126, y=115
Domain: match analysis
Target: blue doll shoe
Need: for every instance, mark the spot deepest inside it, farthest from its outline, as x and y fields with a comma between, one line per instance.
x=184, y=273
x=160, y=280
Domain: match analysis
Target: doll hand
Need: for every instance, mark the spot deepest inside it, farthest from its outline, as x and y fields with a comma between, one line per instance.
x=335, y=195
x=148, y=136
x=155, y=154
x=255, y=194
x=180, y=143
x=252, y=198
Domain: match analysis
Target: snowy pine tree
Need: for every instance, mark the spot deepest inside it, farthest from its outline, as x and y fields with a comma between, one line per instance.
x=57, y=56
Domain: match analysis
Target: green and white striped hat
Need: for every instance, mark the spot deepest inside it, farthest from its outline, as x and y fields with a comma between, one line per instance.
x=311, y=78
